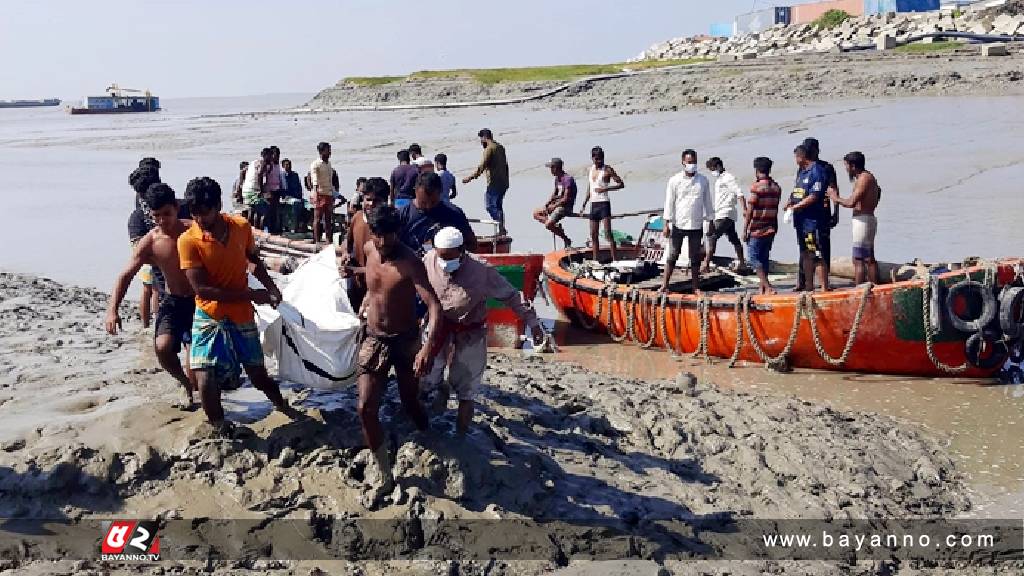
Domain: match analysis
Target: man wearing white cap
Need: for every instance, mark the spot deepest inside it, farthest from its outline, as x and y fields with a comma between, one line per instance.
x=463, y=285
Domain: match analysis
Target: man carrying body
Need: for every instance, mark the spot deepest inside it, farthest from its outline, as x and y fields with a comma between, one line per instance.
x=687, y=206
x=464, y=284
x=762, y=220
x=357, y=199
x=403, y=181
x=321, y=180
x=391, y=336
x=140, y=222
x=495, y=164
x=726, y=194
x=448, y=185
x=159, y=247
x=426, y=214
x=560, y=204
x=215, y=254
x=829, y=212
x=808, y=214
x=375, y=193
x=599, y=184
x=863, y=200
x=254, y=188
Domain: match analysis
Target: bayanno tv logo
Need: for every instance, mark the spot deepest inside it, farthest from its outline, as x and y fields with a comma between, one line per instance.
x=130, y=540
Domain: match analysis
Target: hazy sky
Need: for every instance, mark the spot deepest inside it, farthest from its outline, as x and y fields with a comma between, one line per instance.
x=70, y=48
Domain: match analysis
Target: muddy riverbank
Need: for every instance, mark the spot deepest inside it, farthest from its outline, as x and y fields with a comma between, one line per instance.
x=91, y=432
x=774, y=81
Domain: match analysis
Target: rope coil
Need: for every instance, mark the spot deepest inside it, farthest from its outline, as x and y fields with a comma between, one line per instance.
x=810, y=309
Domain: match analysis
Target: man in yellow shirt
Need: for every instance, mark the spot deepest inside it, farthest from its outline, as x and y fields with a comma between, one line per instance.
x=215, y=254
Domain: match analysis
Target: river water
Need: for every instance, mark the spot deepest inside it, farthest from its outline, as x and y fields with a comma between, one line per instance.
x=950, y=169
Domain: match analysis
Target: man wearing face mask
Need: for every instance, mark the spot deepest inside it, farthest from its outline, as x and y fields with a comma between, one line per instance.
x=687, y=206
x=463, y=285
x=726, y=195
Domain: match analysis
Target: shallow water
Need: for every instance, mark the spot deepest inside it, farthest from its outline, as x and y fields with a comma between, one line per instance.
x=948, y=168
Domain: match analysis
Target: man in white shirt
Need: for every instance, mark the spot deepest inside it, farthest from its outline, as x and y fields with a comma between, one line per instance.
x=726, y=195
x=687, y=205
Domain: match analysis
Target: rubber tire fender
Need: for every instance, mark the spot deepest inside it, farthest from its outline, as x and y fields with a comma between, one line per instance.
x=1011, y=300
x=973, y=348
x=967, y=288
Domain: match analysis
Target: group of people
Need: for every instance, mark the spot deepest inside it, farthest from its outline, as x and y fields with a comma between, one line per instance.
x=701, y=213
x=421, y=293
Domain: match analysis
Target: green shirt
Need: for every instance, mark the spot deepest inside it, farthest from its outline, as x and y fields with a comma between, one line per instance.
x=496, y=166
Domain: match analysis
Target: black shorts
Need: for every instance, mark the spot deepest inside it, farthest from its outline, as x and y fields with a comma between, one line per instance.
x=693, y=246
x=174, y=317
x=725, y=227
x=600, y=210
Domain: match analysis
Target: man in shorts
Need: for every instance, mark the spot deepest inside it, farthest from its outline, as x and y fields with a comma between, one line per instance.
x=215, y=254
x=391, y=333
x=601, y=179
x=159, y=247
x=321, y=180
x=808, y=214
x=863, y=200
x=560, y=204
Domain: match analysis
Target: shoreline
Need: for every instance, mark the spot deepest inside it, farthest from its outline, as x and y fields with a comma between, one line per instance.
x=552, y=440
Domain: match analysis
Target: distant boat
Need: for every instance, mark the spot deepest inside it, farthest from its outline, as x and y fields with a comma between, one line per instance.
x=29, y=103
x=117, y=102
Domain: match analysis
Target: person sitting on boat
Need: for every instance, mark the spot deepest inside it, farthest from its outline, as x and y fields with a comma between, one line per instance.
x=599, y=184
x=762, y=211
x=390, y=336
x=159, y=248
x=215, y=254
x=375, y=193
x=726, y=194
x=863, y=200
x=808, y=213
x=687, y=206
x=560, y=204
x=293, y=196
x=426, y=214
x=464, y=284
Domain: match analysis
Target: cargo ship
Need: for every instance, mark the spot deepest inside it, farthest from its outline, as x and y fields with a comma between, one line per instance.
x=29, y=103
x=118, y=101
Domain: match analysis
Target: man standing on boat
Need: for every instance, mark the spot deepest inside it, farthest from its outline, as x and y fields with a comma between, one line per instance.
x=726, y=195
x=762, y=220
x=688, y=205
x=159, y=248
x=426, y=214
x=215, y=254
x=808, y=213
x=863, y=200
x=560, y=204
x=463, y=284
x=321, y=180
x=395, y=277
x=601, y=179
x=495, y=164
x=829, y=212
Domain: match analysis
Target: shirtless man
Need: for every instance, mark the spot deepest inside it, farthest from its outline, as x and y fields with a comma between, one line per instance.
x=375, y=192
x=159, y=247
x=391, y=337
x=601, y=179
x=863, y=200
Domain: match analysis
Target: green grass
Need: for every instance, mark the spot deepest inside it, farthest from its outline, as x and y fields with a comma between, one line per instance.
x=831, y=19
x=919, y=48
x=528, y=74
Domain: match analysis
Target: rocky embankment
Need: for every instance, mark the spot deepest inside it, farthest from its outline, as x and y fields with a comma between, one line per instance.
x=1006, y=20
x=91, y=433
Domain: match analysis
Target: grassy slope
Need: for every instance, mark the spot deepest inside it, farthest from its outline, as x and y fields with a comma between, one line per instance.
x=919, y=48
x=529, y=74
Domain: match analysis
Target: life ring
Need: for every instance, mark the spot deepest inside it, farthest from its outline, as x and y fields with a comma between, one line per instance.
x=981, y=304
x=982, y=342
x=1011, y=311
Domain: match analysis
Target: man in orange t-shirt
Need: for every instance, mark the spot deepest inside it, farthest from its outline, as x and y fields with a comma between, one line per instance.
x=215, y=255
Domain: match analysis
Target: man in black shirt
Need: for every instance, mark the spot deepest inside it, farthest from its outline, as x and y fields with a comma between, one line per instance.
x=427, y=214
x=829, y=209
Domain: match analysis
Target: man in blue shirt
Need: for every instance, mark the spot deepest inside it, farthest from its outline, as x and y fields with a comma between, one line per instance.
x=426, y=214
x=830, y=211
x=805, y=202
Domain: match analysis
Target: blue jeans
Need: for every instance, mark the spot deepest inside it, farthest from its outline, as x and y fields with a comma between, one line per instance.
x=495, y=198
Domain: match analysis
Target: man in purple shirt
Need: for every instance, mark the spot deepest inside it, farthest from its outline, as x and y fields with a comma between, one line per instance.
x=561, y=202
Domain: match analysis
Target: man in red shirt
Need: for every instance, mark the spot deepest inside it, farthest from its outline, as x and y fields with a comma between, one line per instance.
x=762, y=220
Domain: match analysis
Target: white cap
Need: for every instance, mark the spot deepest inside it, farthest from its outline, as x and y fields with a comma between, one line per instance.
x=448, y=238
x=422, y=161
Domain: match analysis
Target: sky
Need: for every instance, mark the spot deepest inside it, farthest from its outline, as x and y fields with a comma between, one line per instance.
x=182, y=48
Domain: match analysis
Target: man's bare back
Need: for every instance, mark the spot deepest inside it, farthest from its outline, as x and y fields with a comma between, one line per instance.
x=870, y=194
x=161, y=250
x=390, y=301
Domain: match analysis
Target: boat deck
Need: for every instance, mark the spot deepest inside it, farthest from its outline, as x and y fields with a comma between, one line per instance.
x=731, y=283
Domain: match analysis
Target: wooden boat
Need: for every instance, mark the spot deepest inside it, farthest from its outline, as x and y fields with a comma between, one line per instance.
x=961, y=322
x=504, y=328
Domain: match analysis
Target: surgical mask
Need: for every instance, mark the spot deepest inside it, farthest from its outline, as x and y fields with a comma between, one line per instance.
x=690, y=168
x=450, y=266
